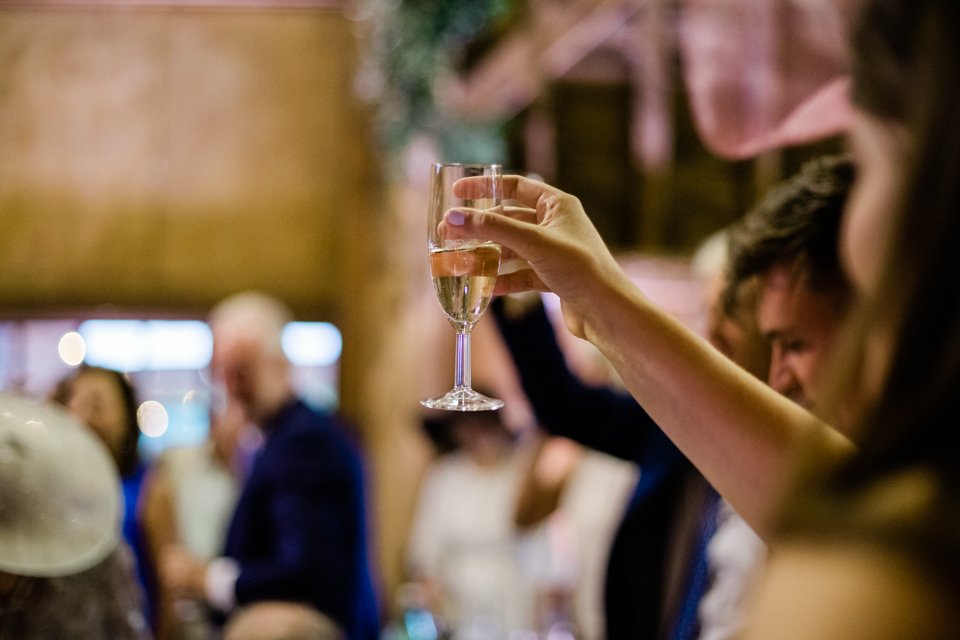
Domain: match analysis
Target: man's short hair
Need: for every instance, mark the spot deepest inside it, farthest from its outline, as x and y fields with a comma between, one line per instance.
x=251, y=316
x=796, y=224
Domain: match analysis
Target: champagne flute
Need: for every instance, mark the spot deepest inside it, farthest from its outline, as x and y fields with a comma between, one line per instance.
x=463, y=272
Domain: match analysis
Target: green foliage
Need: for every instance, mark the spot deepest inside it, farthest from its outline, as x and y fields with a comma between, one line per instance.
x=413, y=45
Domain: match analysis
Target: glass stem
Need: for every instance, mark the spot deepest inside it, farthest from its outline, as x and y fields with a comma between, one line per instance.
x=461, y=368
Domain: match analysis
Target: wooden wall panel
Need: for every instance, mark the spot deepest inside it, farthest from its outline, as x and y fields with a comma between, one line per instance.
x=160, y=159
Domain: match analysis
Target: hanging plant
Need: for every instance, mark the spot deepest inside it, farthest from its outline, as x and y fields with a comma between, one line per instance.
x=409, y=45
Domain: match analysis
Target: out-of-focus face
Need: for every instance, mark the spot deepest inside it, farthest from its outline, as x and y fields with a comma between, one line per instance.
x=800, y=325
x=95, y=399
x=878, y=148
x=257, y=381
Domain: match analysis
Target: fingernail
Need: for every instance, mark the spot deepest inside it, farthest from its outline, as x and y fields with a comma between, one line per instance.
x=456, y=218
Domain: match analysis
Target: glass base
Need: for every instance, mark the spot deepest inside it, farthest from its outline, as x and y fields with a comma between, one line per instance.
x=463, y=399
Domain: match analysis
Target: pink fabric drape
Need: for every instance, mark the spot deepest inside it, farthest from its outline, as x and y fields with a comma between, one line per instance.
x=763, y=74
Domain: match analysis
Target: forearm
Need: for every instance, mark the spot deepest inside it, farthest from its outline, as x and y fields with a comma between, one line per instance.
x=735, y=429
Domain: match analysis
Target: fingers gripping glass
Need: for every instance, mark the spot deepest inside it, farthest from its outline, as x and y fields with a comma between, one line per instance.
x=463, y=271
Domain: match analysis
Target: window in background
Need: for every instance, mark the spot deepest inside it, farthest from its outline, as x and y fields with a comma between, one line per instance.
x=166, y=360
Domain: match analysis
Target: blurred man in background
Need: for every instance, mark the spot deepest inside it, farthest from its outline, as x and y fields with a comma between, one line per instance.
x=299, y=530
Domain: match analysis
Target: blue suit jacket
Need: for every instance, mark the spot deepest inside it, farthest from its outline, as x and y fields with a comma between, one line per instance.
x=299, y=529
x=635, y=590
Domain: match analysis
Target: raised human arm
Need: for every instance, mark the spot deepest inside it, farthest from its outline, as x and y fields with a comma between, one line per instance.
x=737, y=431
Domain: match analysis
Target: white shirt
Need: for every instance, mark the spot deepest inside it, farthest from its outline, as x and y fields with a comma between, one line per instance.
x=734, y=556
x=463, y=536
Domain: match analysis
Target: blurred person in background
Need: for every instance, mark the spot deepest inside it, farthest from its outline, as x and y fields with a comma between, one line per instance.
x=786, y=249
x=578, y=495
x=65, y=570
x=299, y=530
x=784, y=255
x=190, y=495
x=471, y=565
x=106, y=401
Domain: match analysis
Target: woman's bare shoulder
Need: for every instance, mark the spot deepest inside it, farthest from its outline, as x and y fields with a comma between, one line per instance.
x=845, y=589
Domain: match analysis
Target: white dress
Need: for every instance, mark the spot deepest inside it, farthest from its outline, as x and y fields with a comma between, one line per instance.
x=592, y=507
x=463, y=536
x=205, y=493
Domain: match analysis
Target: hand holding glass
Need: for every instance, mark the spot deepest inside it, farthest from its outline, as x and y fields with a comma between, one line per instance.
x=463, y=272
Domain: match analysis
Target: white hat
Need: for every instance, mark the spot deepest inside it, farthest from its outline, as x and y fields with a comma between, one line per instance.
x=59, y=492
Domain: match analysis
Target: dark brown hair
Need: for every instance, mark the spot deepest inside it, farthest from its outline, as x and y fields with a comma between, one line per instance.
x=796, y=224
x=908, y=68
x=128, y=457
x=907, y=71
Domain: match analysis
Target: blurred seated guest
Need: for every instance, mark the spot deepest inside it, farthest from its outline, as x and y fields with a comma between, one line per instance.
x=65, y=572
x=106, y=401
x=189, y=496
x=579, y=494
x=281, y=621
x=299, y=530
x=464, y=550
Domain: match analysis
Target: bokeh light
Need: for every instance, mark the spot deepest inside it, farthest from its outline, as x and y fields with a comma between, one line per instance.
x=72, y=348
x=153, y=419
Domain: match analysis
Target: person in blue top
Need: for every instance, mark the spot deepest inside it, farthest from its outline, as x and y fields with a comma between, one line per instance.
x=299, y=530
x=105, y=400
